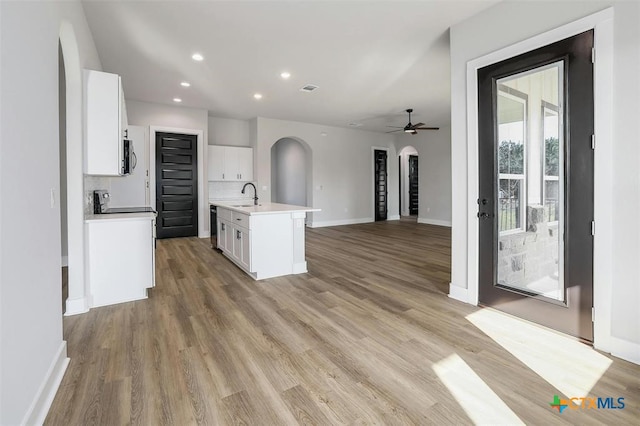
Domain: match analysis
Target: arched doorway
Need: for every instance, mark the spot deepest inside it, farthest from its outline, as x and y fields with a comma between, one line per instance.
x=71, y=179
x=291, y=177
x=408, y=181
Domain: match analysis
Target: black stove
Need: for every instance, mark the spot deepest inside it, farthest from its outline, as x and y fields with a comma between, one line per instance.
x=129, y=210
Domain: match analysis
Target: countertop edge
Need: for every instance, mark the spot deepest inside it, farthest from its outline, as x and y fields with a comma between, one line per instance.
x=249, y=210
x=119, y=217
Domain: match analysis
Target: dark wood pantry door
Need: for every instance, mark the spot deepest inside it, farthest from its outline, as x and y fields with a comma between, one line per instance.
x=176, y=185
x=536, y=123
x=380, y=182
x=413, y=184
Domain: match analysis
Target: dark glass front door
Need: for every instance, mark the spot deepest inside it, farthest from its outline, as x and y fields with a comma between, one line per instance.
x=535, y=211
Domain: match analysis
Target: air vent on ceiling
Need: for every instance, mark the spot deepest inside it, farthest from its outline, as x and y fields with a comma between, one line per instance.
x=308, y=88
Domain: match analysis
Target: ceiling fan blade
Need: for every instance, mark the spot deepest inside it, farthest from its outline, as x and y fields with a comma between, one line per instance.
x=396, y=127
x=413, y=126
x=426, y=128
x=393, y=131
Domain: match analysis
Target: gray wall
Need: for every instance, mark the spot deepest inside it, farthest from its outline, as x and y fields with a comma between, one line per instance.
x=342, y=168
x=32, y=350
x=289, y=172
x=434, y=173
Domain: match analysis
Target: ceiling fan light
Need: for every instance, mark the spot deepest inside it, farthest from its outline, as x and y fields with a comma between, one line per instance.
x=409, y=130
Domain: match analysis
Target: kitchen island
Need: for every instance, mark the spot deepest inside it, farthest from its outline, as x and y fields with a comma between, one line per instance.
x=265, y=240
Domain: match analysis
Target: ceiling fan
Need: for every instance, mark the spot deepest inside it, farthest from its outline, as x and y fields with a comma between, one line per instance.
x=412, y=128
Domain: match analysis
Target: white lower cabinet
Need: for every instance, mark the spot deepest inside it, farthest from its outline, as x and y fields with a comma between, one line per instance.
x=234, y=237
x=121, y=259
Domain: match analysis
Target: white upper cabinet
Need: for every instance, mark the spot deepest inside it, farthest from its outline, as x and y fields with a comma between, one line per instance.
x=245, y=164
x=230, y=163
x=106, y=123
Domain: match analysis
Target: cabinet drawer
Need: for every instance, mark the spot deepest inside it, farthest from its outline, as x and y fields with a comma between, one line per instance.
x=224, y=214
x=240, y=219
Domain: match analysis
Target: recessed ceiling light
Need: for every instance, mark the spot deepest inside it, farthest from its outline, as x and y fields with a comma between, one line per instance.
x=185, y=84
x=285, y=75
x=257, y=96
x=177, y=100
x=197, y=57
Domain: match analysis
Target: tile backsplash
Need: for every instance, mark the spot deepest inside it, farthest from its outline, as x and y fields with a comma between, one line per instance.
x=229, y=191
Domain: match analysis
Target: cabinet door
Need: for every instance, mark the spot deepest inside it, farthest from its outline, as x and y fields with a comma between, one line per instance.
x=231, y=163
x=229, y=238
x=237, y=243
x=245, y=164
x=222, y=235
x=245, y=258
x=124, y=120
x=215, y=166
x=103, y=120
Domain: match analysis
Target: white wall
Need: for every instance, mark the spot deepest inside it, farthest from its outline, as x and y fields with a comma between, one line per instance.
x=620, y=208
x=289, y=172
x=32, y=352
x=227, y=131
x=175, y=118
x=434, y=173
x=342, y=168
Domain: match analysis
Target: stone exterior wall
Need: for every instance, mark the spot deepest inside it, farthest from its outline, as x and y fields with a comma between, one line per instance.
x=525, y=257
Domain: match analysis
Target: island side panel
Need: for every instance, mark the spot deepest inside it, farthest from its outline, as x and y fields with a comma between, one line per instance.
x=298, y=230
x=272, y=245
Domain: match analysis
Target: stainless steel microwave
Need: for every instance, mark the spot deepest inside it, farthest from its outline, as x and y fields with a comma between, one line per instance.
x=129, y=159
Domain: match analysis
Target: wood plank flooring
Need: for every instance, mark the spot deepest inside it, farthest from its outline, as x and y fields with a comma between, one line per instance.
x=363, y=338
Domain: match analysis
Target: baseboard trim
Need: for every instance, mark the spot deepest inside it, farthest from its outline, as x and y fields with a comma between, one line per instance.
x=620, y=348
x=76, y=306
x=436, y=222
x=317, y=224
x=44, y=397
x=394, y=217
x=458, y=293
x=65, y=261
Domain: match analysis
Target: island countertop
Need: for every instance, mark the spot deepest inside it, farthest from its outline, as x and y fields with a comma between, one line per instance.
x=261, y=208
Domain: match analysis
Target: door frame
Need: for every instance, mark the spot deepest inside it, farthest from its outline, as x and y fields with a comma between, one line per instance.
x=373, y=183
x=602, y=24
x=203, y=197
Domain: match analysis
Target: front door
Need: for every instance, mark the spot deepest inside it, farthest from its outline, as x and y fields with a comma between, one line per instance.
x=413, y=184
x=176, y=185
x=380, y=182
x=535, y=211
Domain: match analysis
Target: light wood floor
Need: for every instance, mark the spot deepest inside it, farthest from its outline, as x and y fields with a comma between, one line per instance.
x=360, y=339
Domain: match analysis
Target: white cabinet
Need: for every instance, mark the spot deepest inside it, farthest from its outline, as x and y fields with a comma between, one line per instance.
x=244, y=163
x=216, y=162
x=234, y=237
x=106, y=123
x=230, y=163
x=121, y=259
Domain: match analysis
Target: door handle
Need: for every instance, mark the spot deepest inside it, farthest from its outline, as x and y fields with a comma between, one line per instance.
x=238, y=235
x=484, y=215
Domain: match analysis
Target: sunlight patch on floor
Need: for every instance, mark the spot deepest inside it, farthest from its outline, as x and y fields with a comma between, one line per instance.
x=482, y=405
x=570, y=366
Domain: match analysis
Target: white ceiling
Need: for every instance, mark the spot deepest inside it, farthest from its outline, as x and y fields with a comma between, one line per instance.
x=371, y=59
